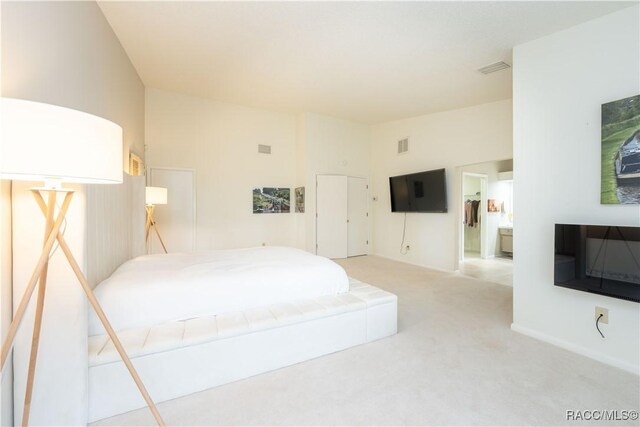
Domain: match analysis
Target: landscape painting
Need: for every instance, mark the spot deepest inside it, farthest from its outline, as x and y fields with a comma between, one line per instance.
x=620, y=162
x=271, y=200
x=299, y=195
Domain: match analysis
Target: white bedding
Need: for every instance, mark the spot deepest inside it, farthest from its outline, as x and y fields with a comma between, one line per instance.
x=153, y=289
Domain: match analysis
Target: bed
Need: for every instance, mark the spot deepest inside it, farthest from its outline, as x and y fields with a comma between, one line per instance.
x=154, y=289
x=178, y=346
x=194, y=321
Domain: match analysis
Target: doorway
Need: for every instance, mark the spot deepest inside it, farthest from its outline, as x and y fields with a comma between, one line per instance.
x=485, y=238
x=474, y=226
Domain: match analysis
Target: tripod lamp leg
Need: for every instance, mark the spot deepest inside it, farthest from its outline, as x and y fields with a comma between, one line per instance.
x=44, y=258
x=105, y=322
x=37, y=326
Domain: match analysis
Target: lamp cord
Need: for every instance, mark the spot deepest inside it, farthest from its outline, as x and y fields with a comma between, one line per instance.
x=597, y=326
x=404, y=230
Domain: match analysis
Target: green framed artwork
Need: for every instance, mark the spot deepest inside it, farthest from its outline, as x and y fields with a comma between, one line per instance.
x=271, y=200
x=620, y=145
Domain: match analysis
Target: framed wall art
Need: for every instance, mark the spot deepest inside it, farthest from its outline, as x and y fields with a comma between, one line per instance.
x=299, y=198
x=620, y=152
x=271, y=200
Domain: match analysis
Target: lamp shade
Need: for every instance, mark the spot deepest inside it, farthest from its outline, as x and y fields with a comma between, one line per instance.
x=43, y=141
x=155, y=196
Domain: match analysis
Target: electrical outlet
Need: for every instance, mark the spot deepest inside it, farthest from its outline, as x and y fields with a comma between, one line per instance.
x=605, y=315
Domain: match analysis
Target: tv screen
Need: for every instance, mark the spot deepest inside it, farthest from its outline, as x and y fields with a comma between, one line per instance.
x=419, y=192
x=601, y=259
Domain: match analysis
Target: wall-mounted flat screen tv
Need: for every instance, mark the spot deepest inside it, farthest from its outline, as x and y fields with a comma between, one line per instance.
x=419, y=192
x=602, y=259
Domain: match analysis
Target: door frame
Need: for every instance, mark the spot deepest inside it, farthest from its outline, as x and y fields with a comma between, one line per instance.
x=148, y=174
x=484, y=188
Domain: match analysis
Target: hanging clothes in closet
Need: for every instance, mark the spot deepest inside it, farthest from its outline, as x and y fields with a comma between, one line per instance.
x=472, y=212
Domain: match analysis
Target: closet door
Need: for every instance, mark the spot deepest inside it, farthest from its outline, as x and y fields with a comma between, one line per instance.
x=358, y=228
x=331, y=216
x=175, y=220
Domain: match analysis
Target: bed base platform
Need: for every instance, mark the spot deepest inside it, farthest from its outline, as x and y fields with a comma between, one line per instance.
x=179, y=358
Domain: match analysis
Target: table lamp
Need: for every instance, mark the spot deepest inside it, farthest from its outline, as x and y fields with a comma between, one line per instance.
x=42, y=142
x=154, y=196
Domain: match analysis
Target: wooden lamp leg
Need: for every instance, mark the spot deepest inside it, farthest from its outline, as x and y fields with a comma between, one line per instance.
x=149, y=210
x=37, y=326
x=155, y=228
x=44, y=258
x=151, y=223
x=103, y=318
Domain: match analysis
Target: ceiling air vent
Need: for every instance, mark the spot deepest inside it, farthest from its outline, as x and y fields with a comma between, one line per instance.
x=264, y=149
x=403, y=145
x=492, y=68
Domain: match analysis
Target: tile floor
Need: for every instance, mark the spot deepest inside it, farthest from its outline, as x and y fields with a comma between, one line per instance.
x=496, y=270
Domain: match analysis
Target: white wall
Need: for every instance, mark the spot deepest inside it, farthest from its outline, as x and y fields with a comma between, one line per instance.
x=62, y=53
x=331, y=146
x=220, y=141
x=441, y=140
x=300, y=217
x=560, y=82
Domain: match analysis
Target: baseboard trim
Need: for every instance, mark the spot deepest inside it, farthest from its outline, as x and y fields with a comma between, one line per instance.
x=576, y=349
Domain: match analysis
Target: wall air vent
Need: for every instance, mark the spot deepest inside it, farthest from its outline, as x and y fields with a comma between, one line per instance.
x=403, y=145
x=264, y=149
x=492, y=68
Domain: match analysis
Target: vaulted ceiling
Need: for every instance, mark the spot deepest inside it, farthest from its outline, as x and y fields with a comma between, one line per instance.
x=365, y=61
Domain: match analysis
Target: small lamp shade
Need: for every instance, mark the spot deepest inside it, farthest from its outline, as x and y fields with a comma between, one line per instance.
x=155, y=196
x=43, y=142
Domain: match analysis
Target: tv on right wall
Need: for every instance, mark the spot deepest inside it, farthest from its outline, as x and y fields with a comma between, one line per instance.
x=601, y=259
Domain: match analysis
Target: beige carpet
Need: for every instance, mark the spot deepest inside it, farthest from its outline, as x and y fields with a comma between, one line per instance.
x=454, y=362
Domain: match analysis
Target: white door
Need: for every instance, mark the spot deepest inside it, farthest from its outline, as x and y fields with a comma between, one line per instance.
x=357, y=207
x=331, y=216
x=175, y=220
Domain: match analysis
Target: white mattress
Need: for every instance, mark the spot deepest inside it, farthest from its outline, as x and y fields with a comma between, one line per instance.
x=153, y=289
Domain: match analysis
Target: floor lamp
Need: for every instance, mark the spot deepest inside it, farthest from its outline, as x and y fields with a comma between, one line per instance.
x=154, y=196
x=42, y=142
